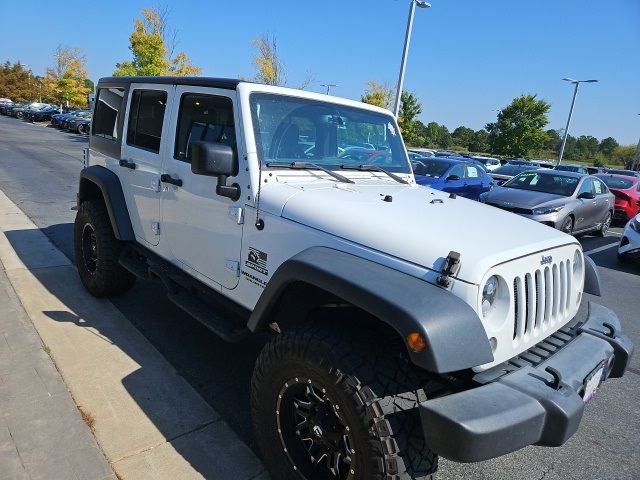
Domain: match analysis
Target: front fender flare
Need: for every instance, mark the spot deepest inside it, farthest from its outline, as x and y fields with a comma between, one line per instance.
x=456, y=339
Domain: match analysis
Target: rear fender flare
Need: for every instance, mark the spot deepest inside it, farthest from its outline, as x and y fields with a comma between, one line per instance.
x=97, y=180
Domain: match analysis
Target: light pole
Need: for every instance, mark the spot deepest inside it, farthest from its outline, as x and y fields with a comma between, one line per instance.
x=407, y=40
x=573, y=101
x=635, y=156
x=328, y=85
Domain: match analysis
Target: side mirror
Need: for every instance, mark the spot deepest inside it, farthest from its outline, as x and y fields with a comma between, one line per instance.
x=452, y=178
x=587, y=196
x=216, y=160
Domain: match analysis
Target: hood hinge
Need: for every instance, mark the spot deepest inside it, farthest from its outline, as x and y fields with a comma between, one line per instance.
x=449, y=269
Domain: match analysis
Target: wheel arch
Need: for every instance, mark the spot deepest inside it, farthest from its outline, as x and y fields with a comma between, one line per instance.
x=97, y=182
x=320, y=276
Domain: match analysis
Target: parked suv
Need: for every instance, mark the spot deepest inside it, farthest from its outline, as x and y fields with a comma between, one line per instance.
x=395, y=335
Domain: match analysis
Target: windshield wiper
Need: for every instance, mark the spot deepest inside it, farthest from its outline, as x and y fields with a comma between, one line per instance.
x=368, y=167
x=309, y=166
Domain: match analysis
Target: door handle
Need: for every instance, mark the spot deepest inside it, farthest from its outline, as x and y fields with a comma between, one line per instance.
x=164, y=178
x=127, y=164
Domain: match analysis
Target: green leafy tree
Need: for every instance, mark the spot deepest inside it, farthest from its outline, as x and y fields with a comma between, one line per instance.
x=463, y=136
x=586, y=147
x=607, y=146
x=570, y=148
x=480, y=142
x=410, y=108
x=623, y=154
x=153, y=48
x=553, y=140
x=519, y=128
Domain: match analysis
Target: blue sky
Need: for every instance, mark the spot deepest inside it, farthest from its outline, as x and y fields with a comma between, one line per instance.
x=467, y=59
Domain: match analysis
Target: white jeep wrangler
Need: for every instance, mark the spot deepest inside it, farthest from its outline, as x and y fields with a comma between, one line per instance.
x=406, y=323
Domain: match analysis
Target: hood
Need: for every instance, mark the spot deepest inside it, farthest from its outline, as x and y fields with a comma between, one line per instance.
x=420, y=225
x=523, y=198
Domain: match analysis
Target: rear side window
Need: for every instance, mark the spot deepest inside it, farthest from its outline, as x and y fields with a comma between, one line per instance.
x=107, y=112
x=205, y=118
x=145, y=119
x=599, y=187
x=472, y=172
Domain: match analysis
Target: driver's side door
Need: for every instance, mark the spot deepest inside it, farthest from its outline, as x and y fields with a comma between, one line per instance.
x=202, y=229
x=455, y=185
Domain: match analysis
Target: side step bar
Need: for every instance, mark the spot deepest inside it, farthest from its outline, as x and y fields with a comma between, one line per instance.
x=183, y=298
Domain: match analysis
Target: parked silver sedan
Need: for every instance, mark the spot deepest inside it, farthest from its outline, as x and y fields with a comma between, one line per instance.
x=571, y=202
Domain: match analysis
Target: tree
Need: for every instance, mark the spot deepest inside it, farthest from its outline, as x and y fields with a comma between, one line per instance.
x=152, y=46
x=70, y=74
x=378, y=94
x=553, y=140
x=410, y=108
x=586, y=147
x=480, y=142
x=270, y=69
x=18, y=83
x=463, y=136
x=622, y=154
x=519, y=129
x=607, y=146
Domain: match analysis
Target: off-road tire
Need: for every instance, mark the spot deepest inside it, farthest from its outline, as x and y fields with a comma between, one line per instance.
x=369, y=375
x=103, y=277
x=604, y=228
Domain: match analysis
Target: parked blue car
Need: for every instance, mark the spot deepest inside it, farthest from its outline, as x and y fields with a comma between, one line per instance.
x=459, y=176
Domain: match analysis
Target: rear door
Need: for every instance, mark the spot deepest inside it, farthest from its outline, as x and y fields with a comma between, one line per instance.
x=472, y=182
x=140, y=158
x=604, y=200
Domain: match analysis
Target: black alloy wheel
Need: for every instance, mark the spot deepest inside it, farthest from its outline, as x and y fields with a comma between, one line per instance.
x=313, y=431
x=89, y=248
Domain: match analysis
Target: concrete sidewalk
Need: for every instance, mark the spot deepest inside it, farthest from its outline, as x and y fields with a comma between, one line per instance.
x=42, y=434
x=149, y=422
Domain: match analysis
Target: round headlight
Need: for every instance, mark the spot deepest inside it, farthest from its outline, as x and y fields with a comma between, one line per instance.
x=577, y=263
x=489, y=292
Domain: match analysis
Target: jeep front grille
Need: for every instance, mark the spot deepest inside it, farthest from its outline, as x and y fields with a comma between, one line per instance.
x=541, y=298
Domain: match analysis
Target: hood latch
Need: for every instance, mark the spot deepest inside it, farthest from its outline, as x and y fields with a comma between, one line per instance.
x=450, y=268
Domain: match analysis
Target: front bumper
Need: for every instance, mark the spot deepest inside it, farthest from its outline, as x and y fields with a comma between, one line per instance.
x=537, y=404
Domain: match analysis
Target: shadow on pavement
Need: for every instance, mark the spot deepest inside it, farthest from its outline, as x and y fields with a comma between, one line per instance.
x=219, y=371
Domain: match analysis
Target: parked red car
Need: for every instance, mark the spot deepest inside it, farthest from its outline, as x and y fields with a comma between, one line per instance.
x=627, y=192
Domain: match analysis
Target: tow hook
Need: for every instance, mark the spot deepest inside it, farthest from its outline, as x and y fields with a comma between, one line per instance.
x=450, y=268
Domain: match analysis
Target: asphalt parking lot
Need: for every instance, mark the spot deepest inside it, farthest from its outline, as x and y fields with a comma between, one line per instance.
x=39, y=168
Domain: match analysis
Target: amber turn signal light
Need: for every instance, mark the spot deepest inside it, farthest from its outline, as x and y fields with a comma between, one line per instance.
x=416, y=342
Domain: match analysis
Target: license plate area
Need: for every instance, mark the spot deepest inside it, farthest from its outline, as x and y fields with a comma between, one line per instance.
x=593, y=381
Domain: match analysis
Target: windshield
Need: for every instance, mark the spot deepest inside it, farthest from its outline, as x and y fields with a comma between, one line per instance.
x=628, y=173
x=544, y=182
x=616, y=182
x=289, y=129
x=431, y=168
x=512, y=169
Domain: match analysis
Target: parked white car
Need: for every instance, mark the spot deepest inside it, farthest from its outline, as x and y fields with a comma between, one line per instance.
x=404, y=322
x=629, y=248
x=490, y=163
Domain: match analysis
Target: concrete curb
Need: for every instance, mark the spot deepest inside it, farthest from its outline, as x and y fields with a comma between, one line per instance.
x=148, y=420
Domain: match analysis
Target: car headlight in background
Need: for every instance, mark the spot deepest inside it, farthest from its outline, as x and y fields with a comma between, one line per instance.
x=546, y=210
x=635, y=224
x=489, y=292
